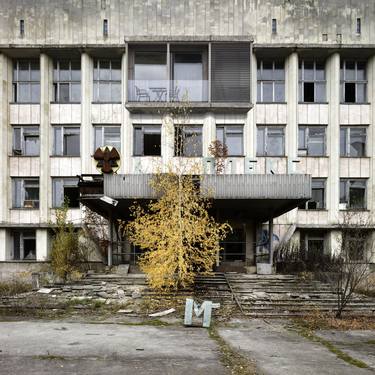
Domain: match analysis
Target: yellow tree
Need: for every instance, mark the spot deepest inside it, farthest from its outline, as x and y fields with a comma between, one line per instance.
x=181, y=239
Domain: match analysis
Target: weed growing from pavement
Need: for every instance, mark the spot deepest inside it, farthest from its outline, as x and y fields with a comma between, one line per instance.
x=235, y=362
x=311, y=336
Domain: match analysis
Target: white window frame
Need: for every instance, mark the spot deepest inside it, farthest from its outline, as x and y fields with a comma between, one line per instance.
x=17, y=82
x=110, y=81
x=266, y=137
x=23, y=235
x=34, y=204
x=22, y=141
x=66, y=182
x=347, y=204
x=103, y=127
x=303, y=150
x=231, y=129
x=348, y=130
x=355, y=81
x=261, y=81
x=154, y=129
x=63, y=137
x=57, y=82
x=315, y=81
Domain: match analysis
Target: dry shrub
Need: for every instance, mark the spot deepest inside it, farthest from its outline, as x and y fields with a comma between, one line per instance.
x=14, y=287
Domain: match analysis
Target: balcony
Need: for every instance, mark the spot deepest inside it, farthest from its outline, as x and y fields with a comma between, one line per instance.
x=167, y=91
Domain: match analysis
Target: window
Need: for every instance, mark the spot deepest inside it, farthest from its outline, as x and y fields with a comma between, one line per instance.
x=274, y=26
x=313, y=245
x=353, y=142
x=67, y=81
x=353, y=81
x=234, y=246
x=65, y=189
x=359, y=26
x=271, y=82
x=232, y=137
x=147, y=140
x=312, y=82
x=105, y=28
x=311, y=140
x=22, y=28
x=107, y=81
x=353, y=193
x=188, y=140
x=25, y=192
x=66, y=141
x=107, y=135
x=24, y=245
x=26, y=81
x=25, y=140
x=317, y=201
x=270, y=141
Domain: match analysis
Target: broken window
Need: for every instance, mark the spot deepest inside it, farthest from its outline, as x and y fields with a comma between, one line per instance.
x=65, y=189
x=147, y=140
x=270, y=141
x=353, y=81
x=317, y=201
x=107, y=135
x=271, y=82
x=67, y=81
x=312, y=242
x=107, y=81
x=232, y=137
x=311, y=140
x=312, y=82
x=66, y=141
x=353, y=141
x=188, y=140
x=353, y=193
x=24, y=245
x=26, y=81
x=25, y=140
x=25, y=192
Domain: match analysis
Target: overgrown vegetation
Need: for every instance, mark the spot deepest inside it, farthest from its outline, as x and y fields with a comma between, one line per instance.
x=69, y=256
x=14, y=287
x=179, y=236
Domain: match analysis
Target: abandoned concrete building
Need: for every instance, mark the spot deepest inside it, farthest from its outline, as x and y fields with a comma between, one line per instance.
x=288, y=86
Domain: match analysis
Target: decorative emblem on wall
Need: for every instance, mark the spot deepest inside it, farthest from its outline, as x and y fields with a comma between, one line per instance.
x=107, y=159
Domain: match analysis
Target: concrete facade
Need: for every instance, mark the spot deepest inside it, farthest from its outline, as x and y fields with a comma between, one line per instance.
x=305, y=30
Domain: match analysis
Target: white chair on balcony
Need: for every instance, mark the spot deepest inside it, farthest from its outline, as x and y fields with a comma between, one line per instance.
x=141, y=93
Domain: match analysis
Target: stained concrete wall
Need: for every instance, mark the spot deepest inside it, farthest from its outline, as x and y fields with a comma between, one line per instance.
x=57, y=22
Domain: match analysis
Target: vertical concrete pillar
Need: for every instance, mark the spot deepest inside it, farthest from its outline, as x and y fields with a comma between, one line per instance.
x=250, y=248
x=209, y=133
x=46, y=71
x=126, y=125
x=334, y=242
x=270, y=240
x=291, y=95
x=5, y=135
x=333, y=144
x=250, y=125
x=86, y=99
x=42, y=245
x=3, y=245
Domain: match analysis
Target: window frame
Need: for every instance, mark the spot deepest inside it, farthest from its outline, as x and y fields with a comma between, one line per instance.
x=56, y=201
x=22, y=140
x=265, y=145
x=315, y=81
x=22, y=236
x=22, y=193
x=348, y=130
x=16, y=81
x=355, y=81
x=142, y=127
x=63, y=137
x=306, y=206
x=103, y=128
x=261, y=81
x=227, y=130
x=347, y=182
x=180, y=134
x=57, y=82
x=307, y=140
x=97, y=80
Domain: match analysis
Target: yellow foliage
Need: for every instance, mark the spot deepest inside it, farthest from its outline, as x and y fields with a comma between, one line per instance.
x=181, y=239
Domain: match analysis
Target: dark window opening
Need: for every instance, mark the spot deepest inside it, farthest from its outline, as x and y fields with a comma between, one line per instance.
x=24, y=245
x=105, y=27
x=147, y=140
x=22, y=27
x=350, y=92
x=71, y=193
x=308, y=92
x=151, y=144
x=359, y=28
x=234, y=246
x=274, y=26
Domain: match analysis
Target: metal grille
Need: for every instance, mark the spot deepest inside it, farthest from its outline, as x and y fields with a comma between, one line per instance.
x=230, y=75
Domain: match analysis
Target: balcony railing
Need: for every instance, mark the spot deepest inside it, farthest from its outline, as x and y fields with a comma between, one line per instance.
x=167, y=90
